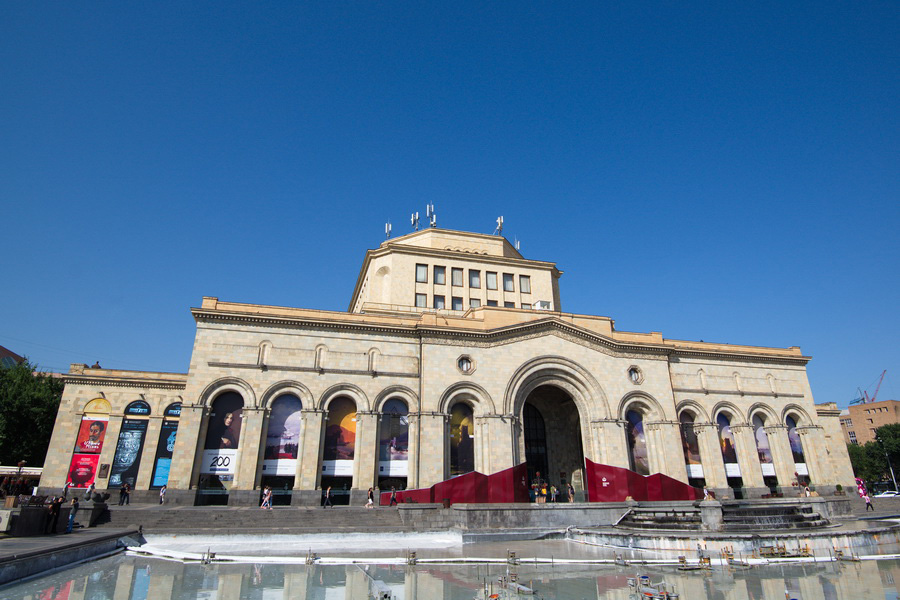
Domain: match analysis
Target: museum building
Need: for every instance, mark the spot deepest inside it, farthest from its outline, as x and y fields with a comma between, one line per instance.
x=454, y=356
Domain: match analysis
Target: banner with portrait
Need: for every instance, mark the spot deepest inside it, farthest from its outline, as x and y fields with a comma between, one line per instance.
x=91, y=434
x=283, y=437
x=164, y=450
x=393, y=439
x=127, y=459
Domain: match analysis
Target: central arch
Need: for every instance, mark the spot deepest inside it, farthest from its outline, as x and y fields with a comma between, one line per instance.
x=551, y=440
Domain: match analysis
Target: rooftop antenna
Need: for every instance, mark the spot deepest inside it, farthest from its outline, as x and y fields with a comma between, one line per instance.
x=387, y=230
x=499, y=230
x=414, y=219
x=429, y=212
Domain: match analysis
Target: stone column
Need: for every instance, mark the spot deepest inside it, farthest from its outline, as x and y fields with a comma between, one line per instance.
x=781, y=456
x=108, y=452
x=148, y=455
x=124, y=575
x=188, y=451
x=662, y=438
x=365, y=457
x=412, y=475
x=813, y=440
x=248, y=457
x=748, y=459
x=711, y=458
x=610, y=442
x=434, y=451
x=310, y=452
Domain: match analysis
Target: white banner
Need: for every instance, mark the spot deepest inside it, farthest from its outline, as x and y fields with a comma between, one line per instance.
x=768, y=469
x=801, y=469
x=393, y=468
x=280, y=466
x=219, y=462
x=337, y=468
x=694, y=471
x=732, y=470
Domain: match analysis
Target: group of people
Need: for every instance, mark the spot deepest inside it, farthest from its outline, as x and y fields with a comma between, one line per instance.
x=370, y=497
x=53, y=510
x=266, y=498
x=543, y=491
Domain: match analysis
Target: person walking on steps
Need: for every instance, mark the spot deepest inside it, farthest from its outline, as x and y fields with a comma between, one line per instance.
x=370, y=499
x=868, y=502
x=162, y=495
x=327, y=502
x=393, y=496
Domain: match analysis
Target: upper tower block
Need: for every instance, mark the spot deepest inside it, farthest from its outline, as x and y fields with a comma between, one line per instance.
x=441, y=269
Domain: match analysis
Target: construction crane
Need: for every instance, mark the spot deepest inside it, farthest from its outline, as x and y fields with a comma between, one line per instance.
x=863, y=397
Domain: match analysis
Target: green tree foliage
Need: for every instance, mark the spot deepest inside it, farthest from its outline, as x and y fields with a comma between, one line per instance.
x=889, y=437
x=868, y=461
x=28, y=405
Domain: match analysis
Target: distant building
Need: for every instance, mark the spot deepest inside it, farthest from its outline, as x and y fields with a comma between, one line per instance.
x=454, y=355
x=8, y=358
x=860, y=421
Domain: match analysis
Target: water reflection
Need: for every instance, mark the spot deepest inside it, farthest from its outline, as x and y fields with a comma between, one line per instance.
x=131, y=578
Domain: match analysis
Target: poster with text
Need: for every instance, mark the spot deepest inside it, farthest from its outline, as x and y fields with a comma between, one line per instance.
x=91, y=435
x=164, y=450
x=83, y=470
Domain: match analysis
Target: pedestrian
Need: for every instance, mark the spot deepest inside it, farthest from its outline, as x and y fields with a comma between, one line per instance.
x=89, y=492
x=868, y=502
x=370, y=501
x=705, y=493
x=266, y=498
x=807, y=492
x=327, y=501
x=74, y=509
x=53, y=511
x=393, y=495
x=553, y=493
x=162, y=495
x=571, y=491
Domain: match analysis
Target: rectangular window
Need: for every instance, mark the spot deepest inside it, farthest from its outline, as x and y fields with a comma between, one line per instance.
x=474, y=278
x=491, y=280
x=439, y=273
x=508, y=283
x=438, y=301
x=456, y=275
x=526, y=306
x=421, y=273
x=492, y=303
x=509, y=305
x=474, y=302
x=525, y=284
x=421, y=300
x=457, y=303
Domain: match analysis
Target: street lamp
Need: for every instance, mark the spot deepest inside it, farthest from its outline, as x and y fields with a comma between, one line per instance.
x=888, y=459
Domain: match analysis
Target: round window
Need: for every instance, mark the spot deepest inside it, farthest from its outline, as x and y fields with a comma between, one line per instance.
x=464, y=364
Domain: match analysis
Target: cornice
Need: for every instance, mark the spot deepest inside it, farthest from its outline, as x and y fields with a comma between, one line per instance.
x=710, y=392
x=320, y=371
x=739, y=357
x=125, y=382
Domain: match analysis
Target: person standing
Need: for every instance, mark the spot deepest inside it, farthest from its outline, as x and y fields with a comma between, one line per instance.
x=868, y=502
x=54, y=513
x=267, y=498
x=393, y=496
x=370, y=500
x=327, y=502
x=74, y=509
x=162, y=495
x=571, y=491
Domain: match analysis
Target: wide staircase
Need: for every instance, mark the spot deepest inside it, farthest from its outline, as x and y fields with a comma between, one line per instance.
x=754, y=518
x=681, y=519
x=220, y=519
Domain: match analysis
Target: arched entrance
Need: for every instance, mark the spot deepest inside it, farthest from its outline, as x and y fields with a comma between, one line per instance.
x=551, y=438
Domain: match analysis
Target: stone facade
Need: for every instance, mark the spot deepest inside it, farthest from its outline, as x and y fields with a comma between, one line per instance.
x=581, y=379
x=860, y=421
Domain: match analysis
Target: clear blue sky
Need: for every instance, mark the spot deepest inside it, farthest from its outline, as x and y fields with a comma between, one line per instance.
x=710, y=171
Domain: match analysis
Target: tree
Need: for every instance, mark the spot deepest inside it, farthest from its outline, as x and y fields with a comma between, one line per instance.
x=29, y=402
x=868, y=461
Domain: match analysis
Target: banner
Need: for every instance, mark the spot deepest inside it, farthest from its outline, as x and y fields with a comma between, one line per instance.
x=83, y=470
x=164, y=449
x=283, y=437
x=219, y=462
x=127, y=459
x=91, y=435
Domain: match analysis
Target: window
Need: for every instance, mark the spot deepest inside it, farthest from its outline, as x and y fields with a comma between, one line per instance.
x=421, y=300
x=457, y=303
x=526, y=306
x=456, y=277
x=421, y=273
x=509, y=305
x=508, y=283
x=491, y=280
x=464, y=364
x=525, y=284
x=474, y=302
x=474, y=278
x=439, y=273
x=438, y=301
x=492, y=303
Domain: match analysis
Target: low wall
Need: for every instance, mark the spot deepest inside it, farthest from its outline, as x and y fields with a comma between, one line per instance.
x=513, y=516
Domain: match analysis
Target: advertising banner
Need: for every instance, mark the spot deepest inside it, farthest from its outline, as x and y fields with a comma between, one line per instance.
x=91, y=435
x=164, y=450
x=83, y=470
x=283, y=437
x=219, y=462
x=127, y=459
